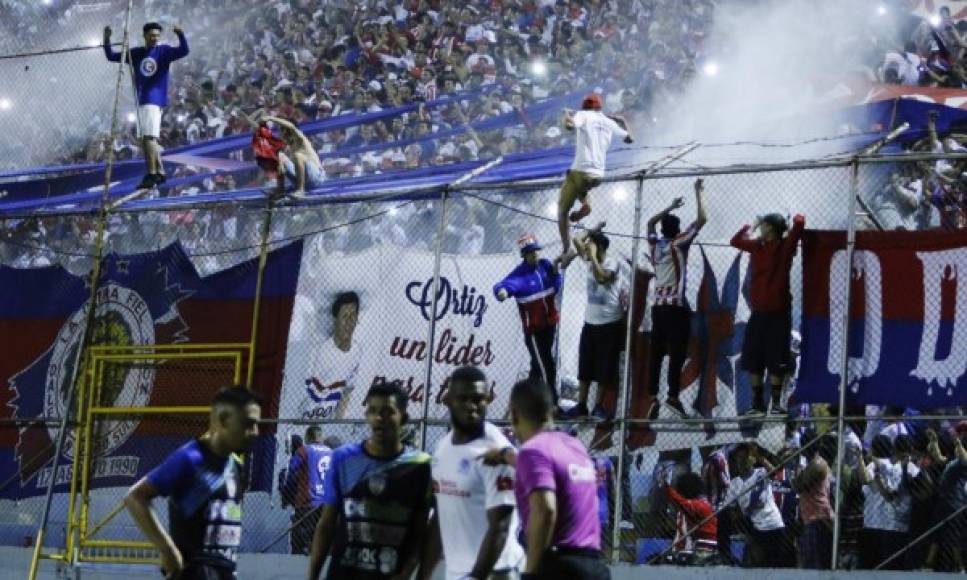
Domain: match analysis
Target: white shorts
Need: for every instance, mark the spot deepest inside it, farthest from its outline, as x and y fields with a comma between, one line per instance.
x=149, y=120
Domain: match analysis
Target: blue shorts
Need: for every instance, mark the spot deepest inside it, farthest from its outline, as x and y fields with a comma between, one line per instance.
x=315, y=176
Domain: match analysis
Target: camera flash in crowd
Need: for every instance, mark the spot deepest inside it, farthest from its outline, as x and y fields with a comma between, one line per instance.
x=93, y=41
x=538, y=68
x=131, y=117
x=935, y=20
x=5, y=104
x=881, y=10
x=711, y=69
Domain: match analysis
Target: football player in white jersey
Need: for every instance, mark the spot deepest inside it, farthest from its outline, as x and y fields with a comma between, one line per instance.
x=468, y=492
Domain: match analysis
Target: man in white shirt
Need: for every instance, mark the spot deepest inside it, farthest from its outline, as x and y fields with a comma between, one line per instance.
x=602, y=338
x=768, y=544
x=594, y=131
x=887, y=505
x=469, y=492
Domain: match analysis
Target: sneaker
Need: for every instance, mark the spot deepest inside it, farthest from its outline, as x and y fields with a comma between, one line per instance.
x=576, y=412
x=580, y=213
x=159, y=178
x=147, y=182
x=777, y=409
x=755, y=411
x=600, y=414
x=676, y=405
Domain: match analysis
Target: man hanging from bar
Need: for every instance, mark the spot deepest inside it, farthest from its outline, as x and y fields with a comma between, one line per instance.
x=594, y=130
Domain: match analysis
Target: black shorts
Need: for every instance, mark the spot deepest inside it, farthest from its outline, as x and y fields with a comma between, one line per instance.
x=573, y=565
x=766, y=344
x=599, y=351
x=206, y=571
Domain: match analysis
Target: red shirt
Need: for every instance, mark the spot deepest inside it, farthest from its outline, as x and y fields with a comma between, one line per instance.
x=695, y=511
x=266, y=145
x=771, y=263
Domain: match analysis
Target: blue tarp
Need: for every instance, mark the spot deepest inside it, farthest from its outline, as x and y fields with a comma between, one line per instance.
x=58, y=193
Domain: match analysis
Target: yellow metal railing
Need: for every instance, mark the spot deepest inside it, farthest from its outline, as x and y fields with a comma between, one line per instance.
x=81, y=546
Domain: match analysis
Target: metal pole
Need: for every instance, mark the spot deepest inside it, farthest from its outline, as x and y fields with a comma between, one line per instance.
x=79, y=359
x=437, y=262
x=854, y=201
x=431, y=331
x=263, y=258
x=623, y=396
x=844, y=360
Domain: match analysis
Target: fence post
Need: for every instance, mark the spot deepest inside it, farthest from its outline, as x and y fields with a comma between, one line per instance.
x=844, y=359
x=621, y=412
x=257, y=303
x=431, y=331
x=80, y=360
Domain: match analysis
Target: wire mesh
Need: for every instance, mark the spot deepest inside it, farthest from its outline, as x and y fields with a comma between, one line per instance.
x=362, y=313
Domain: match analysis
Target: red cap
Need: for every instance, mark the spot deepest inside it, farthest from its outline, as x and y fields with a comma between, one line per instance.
x=592, y=101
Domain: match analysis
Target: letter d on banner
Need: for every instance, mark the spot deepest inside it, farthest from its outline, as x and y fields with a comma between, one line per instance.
x=866, y=266
x=938, y=267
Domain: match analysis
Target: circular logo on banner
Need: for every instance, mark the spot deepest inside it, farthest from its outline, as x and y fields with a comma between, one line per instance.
x=148, y=67
x=122, y=318
x=377, y=483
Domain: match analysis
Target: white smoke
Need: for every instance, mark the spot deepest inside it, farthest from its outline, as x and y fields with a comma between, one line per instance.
x=770, y=73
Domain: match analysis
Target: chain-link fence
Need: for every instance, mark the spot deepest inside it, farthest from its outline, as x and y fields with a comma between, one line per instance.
x=715, y=485
x=661, y=372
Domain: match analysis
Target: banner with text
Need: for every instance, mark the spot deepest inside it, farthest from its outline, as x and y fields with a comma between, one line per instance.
x=908, y=318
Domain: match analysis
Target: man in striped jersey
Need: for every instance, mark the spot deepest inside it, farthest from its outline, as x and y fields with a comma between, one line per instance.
x=670, y=315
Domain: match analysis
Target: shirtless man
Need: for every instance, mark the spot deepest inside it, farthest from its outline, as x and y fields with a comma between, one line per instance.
x=301, y=163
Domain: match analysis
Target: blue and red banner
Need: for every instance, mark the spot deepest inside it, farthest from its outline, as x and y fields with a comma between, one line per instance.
x=908, y=318
x=152, y=298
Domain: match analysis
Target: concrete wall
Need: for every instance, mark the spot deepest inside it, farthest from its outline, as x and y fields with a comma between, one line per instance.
x=15, y=563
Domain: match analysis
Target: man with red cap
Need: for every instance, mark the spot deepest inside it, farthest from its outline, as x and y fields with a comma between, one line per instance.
x=535, y=283
x=594, y=131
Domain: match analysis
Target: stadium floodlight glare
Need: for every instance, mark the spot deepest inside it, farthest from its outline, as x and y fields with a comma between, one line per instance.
x=619, y=193
x=935, y=20
x=538, y=68
x=132, y=118
x=93, y=41
x=551, y=209
x=881, y=10
x=48, y=2
x=711, y=69
x=5, y=104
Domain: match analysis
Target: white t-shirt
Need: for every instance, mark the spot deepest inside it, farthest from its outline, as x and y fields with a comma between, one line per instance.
x=328, y=380
x=465, y=489
x=594, y=132
x=604, y=300
x=757, y=503
x=880, y=513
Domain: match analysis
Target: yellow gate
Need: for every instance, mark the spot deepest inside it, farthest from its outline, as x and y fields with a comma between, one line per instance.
x=111, y=405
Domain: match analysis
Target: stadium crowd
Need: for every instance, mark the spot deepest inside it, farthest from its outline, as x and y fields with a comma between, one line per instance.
x=302, y=61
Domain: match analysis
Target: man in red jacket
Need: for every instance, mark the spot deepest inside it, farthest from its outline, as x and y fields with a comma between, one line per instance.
x=766, y=344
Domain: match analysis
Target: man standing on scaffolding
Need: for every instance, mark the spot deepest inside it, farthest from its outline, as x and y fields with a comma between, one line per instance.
x=150, y=63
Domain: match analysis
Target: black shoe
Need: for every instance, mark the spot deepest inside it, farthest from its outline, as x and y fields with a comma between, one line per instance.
x=777, y=409
x=676, y=406
x=159, y=178
x=652, y=413
x=577, y=411
x=147, y=182
x=755, y=411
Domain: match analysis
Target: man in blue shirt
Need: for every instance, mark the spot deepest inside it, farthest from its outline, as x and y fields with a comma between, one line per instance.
x=376, y=501
x=151, y=63
x=203, y=481
x=304, y=483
